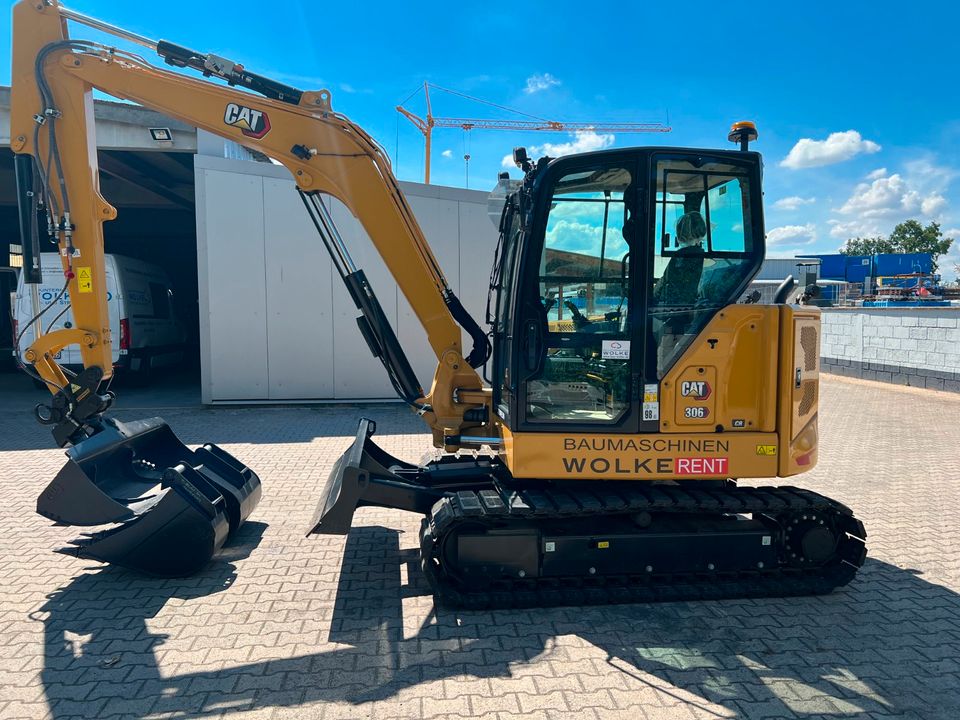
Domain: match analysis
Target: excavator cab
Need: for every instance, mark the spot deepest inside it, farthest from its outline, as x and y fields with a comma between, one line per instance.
x=597, y=294
x=629, y=391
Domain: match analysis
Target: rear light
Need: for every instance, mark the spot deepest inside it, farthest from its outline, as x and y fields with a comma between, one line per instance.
x=124, y=334
x=16, y=331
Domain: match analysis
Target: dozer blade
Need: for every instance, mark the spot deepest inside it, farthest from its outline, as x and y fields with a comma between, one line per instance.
x=175, y=507
x=367, y=475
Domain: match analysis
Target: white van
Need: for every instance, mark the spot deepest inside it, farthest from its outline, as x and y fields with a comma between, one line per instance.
x=146, y=334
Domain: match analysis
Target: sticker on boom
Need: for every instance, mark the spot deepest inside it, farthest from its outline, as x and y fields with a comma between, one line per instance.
x=252, y=123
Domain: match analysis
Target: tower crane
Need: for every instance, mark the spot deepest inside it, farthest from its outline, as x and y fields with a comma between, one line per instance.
x=426, y=124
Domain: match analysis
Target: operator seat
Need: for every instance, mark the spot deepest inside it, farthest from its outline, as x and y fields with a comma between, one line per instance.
x=677, y=290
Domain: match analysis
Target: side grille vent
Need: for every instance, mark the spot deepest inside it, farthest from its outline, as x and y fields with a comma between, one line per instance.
x=808, y=397
x=808, y=341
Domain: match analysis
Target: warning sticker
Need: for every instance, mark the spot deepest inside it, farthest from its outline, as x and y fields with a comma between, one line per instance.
x=84, y=280
x=615, y=350
x=650, y=393
x=766, y=449
x=651, y=411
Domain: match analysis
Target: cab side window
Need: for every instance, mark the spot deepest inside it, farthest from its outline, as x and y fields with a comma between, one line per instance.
x=703, y=250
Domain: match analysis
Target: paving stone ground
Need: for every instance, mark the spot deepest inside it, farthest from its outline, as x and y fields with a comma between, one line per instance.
x=287, y=627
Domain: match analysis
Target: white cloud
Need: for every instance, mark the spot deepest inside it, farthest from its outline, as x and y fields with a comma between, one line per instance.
x=540, y=81
x=583, y=141
x=844, y=229
x=352, y=90
x=892, y=195
x=933, y=204
x=447, y=153
x=793, y=234
x=951, y=260
x=793, y=202
x=884, y=196
x=575, y=236
x=878, y=173
x=838, y=146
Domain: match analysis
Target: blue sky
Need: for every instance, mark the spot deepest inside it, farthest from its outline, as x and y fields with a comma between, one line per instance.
x=856, y=102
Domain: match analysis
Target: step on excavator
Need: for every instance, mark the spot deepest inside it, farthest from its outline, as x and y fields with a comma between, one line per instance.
x=627, y=388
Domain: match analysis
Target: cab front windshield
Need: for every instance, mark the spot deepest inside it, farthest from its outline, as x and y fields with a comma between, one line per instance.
x=583, y=271
x=583, y=282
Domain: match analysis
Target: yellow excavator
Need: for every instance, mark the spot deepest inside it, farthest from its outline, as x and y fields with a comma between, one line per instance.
x=628, y=388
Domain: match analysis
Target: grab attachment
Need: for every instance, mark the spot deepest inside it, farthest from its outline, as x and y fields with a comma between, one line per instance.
x=172, y=508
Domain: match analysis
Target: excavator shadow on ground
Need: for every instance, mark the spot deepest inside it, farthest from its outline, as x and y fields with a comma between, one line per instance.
x=871, y=648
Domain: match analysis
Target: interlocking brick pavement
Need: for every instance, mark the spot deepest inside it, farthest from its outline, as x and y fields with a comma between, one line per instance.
x=282, y=626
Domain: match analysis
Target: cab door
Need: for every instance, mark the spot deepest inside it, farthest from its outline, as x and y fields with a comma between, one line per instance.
x=579, y=345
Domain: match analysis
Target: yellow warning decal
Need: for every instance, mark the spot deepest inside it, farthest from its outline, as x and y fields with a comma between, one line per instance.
x=84, y=280
x=766, y=449
x=603, y=544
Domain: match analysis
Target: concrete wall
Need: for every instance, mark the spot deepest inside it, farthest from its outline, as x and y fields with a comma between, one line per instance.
x=276, y=323
x=908, y=346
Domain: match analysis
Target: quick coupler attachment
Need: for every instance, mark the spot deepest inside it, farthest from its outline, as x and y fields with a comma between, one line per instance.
x=366, y=475
x=171, y=508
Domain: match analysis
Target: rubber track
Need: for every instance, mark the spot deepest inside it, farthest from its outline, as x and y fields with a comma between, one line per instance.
x=496, y=507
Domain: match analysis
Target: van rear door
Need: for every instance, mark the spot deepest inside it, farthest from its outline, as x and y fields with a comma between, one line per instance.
x=47, y=290
x=114, y=309
x=55, y=318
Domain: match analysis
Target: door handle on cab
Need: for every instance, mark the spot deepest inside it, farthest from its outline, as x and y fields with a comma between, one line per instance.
x=532, y=344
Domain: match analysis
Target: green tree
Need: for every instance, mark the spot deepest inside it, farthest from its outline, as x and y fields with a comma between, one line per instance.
x=907, y=237
x=867, y=246
x=912, y=237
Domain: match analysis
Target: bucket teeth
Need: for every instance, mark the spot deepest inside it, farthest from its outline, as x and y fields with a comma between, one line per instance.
x=171, y=508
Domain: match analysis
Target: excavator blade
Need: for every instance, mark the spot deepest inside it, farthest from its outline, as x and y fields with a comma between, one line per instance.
x=172, y=508
x=344, y=487
x=366, y=475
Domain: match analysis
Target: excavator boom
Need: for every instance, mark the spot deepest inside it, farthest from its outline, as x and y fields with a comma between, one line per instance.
x=139, y=476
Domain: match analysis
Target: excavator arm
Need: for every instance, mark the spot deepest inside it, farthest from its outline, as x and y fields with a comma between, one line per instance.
x=52, y=123
x=170, y=508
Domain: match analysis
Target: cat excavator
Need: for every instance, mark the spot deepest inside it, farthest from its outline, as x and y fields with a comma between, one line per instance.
x=627, y=390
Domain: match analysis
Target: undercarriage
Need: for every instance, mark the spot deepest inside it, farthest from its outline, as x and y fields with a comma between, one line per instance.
x=489, y=541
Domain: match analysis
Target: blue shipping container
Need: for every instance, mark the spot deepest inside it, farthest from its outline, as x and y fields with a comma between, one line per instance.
x=902, y=264
x=832, y=267
x=858, y=268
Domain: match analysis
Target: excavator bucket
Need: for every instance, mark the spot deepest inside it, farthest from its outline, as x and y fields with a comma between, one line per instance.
x=171, y=508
